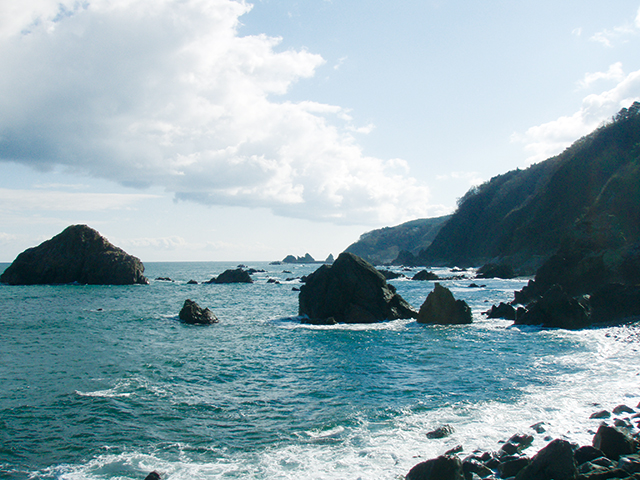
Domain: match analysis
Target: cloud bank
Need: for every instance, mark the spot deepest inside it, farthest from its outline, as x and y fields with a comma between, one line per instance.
x=167, y=93
x=551, y=138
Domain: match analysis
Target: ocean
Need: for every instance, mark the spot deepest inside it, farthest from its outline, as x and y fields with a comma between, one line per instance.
x=104, y=382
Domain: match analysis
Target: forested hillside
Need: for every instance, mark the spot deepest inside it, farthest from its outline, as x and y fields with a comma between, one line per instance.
x=521, y=217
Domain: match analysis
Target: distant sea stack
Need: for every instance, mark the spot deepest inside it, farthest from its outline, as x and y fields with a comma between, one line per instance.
x=78, y=254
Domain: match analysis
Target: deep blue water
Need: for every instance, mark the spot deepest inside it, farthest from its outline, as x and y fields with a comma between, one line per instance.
x=104, y=382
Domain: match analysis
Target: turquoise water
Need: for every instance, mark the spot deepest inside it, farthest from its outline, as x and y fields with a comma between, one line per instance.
x=103, y=382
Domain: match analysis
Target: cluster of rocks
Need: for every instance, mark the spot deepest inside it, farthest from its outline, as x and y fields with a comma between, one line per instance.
x=613, y=454
x=303, y=260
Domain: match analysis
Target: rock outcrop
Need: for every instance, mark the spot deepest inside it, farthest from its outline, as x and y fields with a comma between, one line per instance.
x=237, y=275
x=351, y=291
x=441, y=308
x=193, y=314
x=78, y=254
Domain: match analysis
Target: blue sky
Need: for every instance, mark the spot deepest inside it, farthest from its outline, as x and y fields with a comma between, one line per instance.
x=228, y=130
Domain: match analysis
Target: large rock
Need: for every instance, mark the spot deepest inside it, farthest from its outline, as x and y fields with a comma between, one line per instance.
x=441, y=308
x=440, y=468
x=76, y=255
x=556, y=309
x=351, y=291
x=613, y=442
x=553, y=462
x=192, y=313
x=237, y=275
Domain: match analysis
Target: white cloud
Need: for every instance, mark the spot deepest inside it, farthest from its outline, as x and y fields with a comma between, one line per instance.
x=166, y=93
x=615, y=73
x=52, y=200
x=551, y=138
x=620, y=33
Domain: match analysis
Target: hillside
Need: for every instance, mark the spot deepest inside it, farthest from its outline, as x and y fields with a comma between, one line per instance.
x=384, y=245
x=521, y=217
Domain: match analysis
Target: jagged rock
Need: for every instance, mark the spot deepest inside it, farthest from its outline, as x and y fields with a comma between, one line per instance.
x=192, y=313
x=503, y=310
x=425, y=275
x=153, y=476
x=613, y=442
x=389, y=275
x=555, y=309
x=292, y=259
x=441, y=308
x=232, y=276
x=586, y=454
x=440, y=432
x=553, y=462
x=513, y=466
x=351, y=291
x=330, y=259
x=76, y=255
x=494, y=270
x=440, y=468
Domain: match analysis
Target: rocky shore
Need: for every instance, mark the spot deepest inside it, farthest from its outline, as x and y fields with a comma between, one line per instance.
x=613, y=454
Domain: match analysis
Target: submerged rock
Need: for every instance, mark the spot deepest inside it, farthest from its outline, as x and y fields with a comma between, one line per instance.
x=351, y=291
x=441, y=308
x=78, y=254
x=193, y=314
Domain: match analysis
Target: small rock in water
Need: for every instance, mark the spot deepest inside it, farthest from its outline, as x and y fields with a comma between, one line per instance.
x=441, y=432
x=623, y=409
x=192, y=313
x=153, y=476
x=538, y=427
x=600, y=414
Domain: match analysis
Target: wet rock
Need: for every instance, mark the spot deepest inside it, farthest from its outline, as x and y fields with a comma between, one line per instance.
x=164, y=279
x=503, y=310
x=232, y=276
x=454, y=450
x=440, y=432
x=192, y=282
x=556, y=309
x=425, y=275
x=440, y=468
x=389, y=275
x=630, y=463
x=441, y=308
x=614, y=303
x=493, y=270
x=538, y=427
x=153, y=476
x=613, y=442
x=193, y=314
x=600, y=414
x=586, y=454
x=473, y=465
x=351, y=290
x=553, y=462
x=623, y=409
x=513, y=466
x=78, y=254
x=318, y=321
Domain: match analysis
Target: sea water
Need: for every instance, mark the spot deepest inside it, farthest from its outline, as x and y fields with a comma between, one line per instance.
x=104, y=382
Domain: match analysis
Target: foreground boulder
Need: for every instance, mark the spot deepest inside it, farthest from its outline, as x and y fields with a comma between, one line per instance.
x=553, y=462
x=232, y=276
x=351, y=291
x=440, y=468
x=78, y=254
x=193, y=314
x=442, y=309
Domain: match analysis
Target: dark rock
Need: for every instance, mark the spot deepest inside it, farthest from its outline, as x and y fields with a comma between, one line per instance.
x=425, y=275
x=614, y=302
x=440, y=432
x=153, y=476
x=473, y=465
x=76, y=255
x=232, y=276
x=192, y=282
x=389, y=275
x=613, y=442
x=630, y=463
x=508, y=448
x=351, y=291
x=538, y=427
x=273, y=280
x=454, y=450
x=503, y=310
x=475, y=285
x=293, y=259
x=440, y=468
x=553, y=462
x=193, y=314
x=164, y=279
x=512, y=467
x=441, y=308
x=623, y=409
x=587, y=454
x=493, y=270
x=555, y=309
x=295, y=289
x=600, y=414
x=318, y=321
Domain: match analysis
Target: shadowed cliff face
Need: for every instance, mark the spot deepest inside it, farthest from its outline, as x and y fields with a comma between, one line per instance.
x=522, y=217
x=77, y=255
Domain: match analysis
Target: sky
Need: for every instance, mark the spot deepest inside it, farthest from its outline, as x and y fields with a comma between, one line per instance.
x=223, y=130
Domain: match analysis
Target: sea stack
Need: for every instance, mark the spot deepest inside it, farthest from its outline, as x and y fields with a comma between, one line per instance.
x=78, y=254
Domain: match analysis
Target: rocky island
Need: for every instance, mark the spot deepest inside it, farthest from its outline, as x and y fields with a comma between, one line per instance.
x=79, y=254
